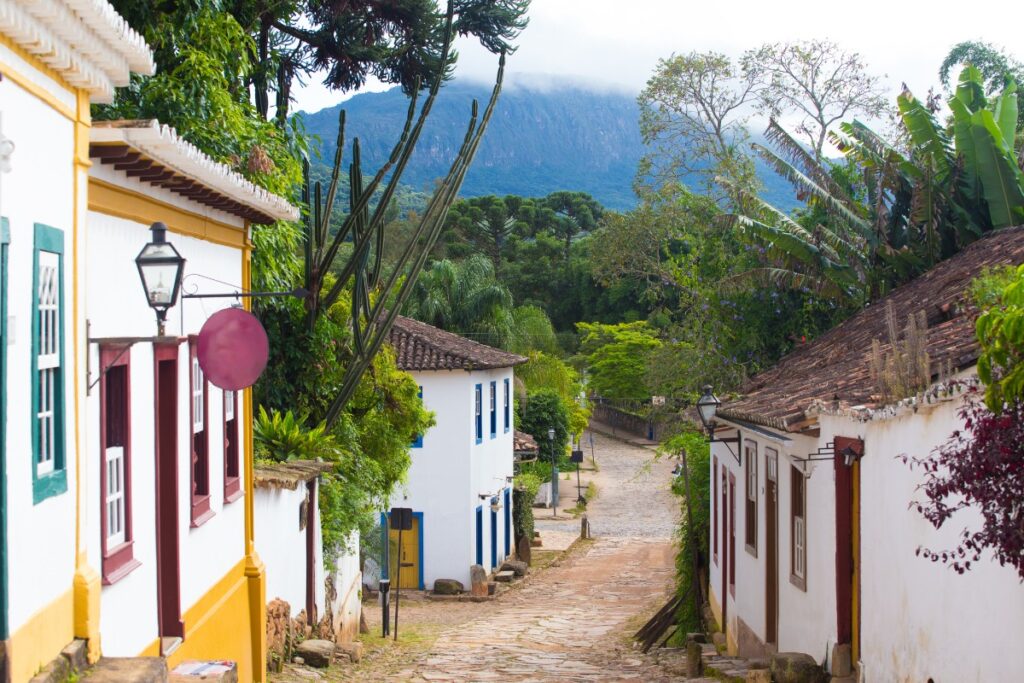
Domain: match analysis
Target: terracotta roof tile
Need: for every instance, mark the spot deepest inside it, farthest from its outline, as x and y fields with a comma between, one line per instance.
x=419, y=346
x=524, y=443
x=836, y=366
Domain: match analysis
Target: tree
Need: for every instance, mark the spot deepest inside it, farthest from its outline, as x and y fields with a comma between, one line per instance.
x=485, y=224
x=569, y=214
x=994, y=65
x=543, y=410
x=616, y=358
x=816, y=80
x=693, y=115
x=1001, y=336
x=465, y=298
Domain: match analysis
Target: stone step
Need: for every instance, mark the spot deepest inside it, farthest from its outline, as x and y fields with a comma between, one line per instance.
x=505, y=576
x=127, y=670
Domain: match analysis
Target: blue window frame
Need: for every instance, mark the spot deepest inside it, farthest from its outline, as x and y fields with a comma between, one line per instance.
x=508, y=521
x=494, y=539
x=49, y=472
x=479, y=417
x=480, y=535
x=494, y=409
x=508, y=404
x=418, y=441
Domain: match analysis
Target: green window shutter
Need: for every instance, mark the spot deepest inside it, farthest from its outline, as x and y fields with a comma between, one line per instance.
x=49, y=466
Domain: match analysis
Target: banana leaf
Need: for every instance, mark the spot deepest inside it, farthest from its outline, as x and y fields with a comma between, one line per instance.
x=927, y=137
x=1001, y=179
x=971, y=89
x=1005, y=113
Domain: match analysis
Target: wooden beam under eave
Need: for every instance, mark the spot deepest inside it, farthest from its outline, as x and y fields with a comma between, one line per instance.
x=140, y=165
x=128, y=158
x=108, y=151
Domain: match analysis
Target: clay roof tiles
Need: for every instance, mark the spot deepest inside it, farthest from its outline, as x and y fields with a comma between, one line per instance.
x=835, y=367
x=419, y=346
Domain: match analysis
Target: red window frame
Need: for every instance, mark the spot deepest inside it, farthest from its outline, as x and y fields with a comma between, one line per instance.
x=750, y=498
x=199, y=444
x=714, y=499
x=115, y=361
x=732, y=534
x=232, y=462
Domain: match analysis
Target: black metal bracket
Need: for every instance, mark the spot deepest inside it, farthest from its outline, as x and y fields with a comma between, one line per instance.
x=726, y=441
x=298, y=293
x=826, y=452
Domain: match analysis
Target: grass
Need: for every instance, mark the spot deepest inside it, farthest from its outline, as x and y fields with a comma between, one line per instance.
x=590, y=495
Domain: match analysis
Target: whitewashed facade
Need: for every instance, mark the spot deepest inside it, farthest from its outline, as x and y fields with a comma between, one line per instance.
x=460, y=483
x=847, y=570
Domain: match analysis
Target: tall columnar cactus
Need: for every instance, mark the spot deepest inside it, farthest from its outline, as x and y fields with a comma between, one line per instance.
x=373, y=317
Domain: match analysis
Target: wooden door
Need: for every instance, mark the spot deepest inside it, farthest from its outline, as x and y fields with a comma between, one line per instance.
x=771, y=518
x=408, y=553
x=847, y=544
x=168, y=567
x=725, y=548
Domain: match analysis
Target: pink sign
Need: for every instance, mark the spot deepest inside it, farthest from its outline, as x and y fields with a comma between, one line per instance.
x=232, y=349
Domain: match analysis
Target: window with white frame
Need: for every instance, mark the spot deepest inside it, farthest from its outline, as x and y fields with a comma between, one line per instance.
x=508, y=405
x=48, y=473
x=494, y=409
x=478, y=420
x=115, y=474
x=232, y=467
x=200, y=439
x=798, y=528
x=750, y=455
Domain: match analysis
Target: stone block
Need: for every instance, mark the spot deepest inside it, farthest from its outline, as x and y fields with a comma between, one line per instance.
x=719, y=640
x=523, y=550
x=448, y=587
x=758, y=676
x=505, y=576
x=57, y=671
x=492, y=588
x=697, y=637
x=353, y=650
x=77, y=654
x=316, y=653
x=222, y=671
x=519, y=568
x=478, y=580
x=694, y=663
x=796, y=667
x=278, y=626
x=842, y=660
x=127, y=670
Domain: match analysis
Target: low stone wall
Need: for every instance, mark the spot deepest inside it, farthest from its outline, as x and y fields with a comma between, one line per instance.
x=655, y=428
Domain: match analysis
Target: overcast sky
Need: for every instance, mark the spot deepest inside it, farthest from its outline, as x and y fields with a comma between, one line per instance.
x=613, y=44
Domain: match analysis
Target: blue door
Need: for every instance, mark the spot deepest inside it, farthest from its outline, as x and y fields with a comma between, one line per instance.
x=508, y=522
x=480, y=535
x=494, y=538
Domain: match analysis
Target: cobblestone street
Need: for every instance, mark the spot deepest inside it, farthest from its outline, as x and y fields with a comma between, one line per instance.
x=572, y=620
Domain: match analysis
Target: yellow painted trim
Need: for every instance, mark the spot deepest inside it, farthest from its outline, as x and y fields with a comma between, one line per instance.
x=40, y=639
x=152, y=650
x=123, y=203
x=716, y=607
x=855, y=645
x=212, y=624
x=34, y=89
x=255, y=571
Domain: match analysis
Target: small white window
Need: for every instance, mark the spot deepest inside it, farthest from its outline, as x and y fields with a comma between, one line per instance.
x=799, y=547
x=115, y=496
x=48, y=359
x=229, y=406
x=197, y=397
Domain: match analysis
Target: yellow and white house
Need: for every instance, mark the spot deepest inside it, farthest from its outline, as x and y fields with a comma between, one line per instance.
x=126, y=513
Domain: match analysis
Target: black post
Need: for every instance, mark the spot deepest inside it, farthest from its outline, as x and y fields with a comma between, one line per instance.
x=398, y=578
x=385, y=602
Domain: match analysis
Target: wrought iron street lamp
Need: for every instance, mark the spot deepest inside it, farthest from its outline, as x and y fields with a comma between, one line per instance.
x=707, y=409
x=554, y=472
x=160, y=266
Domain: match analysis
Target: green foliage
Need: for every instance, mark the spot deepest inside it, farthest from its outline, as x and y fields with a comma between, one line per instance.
x=544, y=371
x=202, y=57
x=543, y=410
x=523, y=495
x=280, y=437
x=1000, y=331
x=693, y=532
x=616, y=358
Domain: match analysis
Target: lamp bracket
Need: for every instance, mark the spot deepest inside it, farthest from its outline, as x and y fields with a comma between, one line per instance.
x=726, y=440
x=298, y=293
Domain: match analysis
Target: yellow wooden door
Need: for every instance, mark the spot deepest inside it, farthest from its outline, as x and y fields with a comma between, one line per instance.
x=410, y=556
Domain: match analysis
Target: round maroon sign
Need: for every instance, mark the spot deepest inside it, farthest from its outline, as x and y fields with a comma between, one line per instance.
x=232, y=349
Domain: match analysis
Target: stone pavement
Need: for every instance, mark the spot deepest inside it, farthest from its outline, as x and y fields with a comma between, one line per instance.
x=574, y=621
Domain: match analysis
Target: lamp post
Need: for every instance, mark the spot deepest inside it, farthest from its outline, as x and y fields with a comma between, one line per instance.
x=554, y=472
x=160, y=267
x=707, y=409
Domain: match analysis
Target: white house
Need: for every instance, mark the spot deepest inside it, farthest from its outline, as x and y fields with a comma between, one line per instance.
x=170, y=495
x=56, y=58
x=325, y=596
x=813, y=542
x=460, y=482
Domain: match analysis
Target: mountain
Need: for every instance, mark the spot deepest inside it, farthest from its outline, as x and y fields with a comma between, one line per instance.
x=539, y=141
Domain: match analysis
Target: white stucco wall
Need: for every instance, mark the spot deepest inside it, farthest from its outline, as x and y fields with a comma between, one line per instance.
x=919, y=619
x=807, y=617
x=39, y=189
x=281, y=544
x=116, y=307
x=451, y=471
